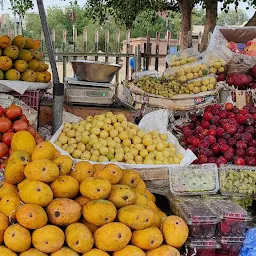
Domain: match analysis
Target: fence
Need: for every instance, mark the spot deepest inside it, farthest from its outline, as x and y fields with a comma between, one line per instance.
x=148, y=52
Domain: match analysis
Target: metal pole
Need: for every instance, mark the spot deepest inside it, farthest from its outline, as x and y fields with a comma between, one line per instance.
x=58, y=88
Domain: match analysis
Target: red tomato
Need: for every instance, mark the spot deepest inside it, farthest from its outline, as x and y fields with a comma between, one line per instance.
x=3, y=150
x=5, y=124
x=19, y=125
x=7, y=138
x=13, y=112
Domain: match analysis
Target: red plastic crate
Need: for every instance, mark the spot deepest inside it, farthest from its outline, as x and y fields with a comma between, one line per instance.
x=31, y=98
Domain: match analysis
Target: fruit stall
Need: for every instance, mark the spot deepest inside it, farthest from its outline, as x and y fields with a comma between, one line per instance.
x=97, y=185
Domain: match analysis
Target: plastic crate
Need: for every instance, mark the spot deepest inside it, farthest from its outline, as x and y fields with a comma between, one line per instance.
x=31, y=98
x=237, y=180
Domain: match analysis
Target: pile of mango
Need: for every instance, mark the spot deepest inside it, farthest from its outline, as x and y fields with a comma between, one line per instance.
x=51, y=206
x=20, y=59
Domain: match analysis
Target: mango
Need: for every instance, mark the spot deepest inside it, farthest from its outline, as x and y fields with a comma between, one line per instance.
x=175, y=231
x=148, y=238
x=121, y=195
x=11, y=51
x=42, y=170
x=130, y=178
x=12, y=74
x=31, y=216
x=81, y=171
x=95, y=188
x=42, y=193
x=63, y=212
x=136, y=216
x=112, y=237
x=110, y=172
x=79, y=237
x=99, y=212
x=28, y=76
x=19, y=41
x=17, y=238
x=5, y=63
x=48, y=239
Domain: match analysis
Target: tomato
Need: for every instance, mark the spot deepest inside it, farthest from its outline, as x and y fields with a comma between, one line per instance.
x=19, y=125
x=32, y=131
x=7, y=138
x=24, y=118
x=5, y=124
x=13, y=112
x=1, y=111
x=3, y=150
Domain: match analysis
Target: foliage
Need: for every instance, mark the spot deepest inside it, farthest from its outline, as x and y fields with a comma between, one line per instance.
x=126, y=12
x=20, y=7
x=226, y=4
x=233, y=17
x=198, y=17
x=144, y=23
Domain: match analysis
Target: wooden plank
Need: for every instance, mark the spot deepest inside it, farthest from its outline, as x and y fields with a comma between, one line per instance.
x=74, y=40
x=154, y=173
x=118, y=36
x=128, y=35
x=64, y=59
x=106, y=45
x=96, y=44
x=85, y=34
x=53, y=38
x=157, y=50
x=148, y=51
x=168, y=37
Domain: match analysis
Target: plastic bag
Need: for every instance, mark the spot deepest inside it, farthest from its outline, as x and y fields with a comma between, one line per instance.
x=157, y=120
x=183, y=57
x=218, y=43
x=249, y=246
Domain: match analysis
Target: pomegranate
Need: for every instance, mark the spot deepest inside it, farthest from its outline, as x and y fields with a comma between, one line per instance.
x=223, y=114
x=215, y=148
x=5, y=124
x=220, y=131
x=7, y=138
x=229, y=155
x=251, y=151
x=221, y=161
x=240, y=152
x=224, y=148
x=205, y=124
x=3, y=149
x=207, y=116
x=202, y=159
x=13, y=112
x=19, y=125
x=241, y=145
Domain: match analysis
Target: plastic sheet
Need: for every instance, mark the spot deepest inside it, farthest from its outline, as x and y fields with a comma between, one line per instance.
x=249, y=246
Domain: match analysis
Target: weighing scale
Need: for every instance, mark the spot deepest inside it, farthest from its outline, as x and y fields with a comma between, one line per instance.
x=92, y=93
x=89, y=93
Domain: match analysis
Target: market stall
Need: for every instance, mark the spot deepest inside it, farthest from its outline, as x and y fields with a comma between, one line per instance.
x=93, y=188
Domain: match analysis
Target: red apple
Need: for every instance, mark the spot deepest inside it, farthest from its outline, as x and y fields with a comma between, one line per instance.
x=220, y=131
x=202, y=159
x=205, y=124
x=251, y=151
x=229, y=155
x=223, y=114
x=229, y=106
x=240, y=152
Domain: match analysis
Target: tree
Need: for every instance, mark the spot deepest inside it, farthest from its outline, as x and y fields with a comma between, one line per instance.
x=233, y=17
x=252, y=21
x=144, y=24
x=126, y=12
x=198, y=16
x=211, y=7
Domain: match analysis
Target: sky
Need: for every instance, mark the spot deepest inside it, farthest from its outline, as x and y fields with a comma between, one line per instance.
x=61, y=3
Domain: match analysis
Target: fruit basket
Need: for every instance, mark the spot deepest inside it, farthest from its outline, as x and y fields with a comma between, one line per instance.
x=234, y=219
x=237, y=180
x=201, y=247
x=200, y=218
x=194, y=179
x=230, y=246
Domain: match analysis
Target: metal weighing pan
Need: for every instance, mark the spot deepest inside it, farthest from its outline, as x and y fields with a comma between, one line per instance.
x=94, y=71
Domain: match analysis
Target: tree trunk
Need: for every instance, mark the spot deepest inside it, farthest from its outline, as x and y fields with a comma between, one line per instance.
x=211, y=19
x=186, y=17
x=252, y=21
